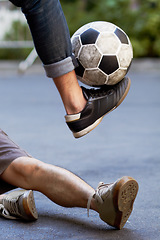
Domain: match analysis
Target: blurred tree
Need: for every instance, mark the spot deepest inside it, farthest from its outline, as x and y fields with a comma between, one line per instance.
x=139, y=19
x=18, y=31
x=146, y=30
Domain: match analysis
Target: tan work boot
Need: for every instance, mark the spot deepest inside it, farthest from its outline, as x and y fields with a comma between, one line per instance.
x=115, y=201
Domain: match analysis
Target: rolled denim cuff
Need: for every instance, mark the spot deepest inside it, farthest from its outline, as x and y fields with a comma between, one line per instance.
x=60, y=68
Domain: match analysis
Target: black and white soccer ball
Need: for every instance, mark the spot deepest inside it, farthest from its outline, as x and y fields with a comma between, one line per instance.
x=104, y=53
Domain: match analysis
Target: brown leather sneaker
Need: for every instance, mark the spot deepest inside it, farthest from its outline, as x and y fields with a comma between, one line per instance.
x=115, y=201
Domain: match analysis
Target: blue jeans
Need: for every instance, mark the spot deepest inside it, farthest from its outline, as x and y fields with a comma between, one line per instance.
x=50, y=35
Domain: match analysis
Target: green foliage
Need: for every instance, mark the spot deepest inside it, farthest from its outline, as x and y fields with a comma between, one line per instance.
x=12, y=54
x=18, y=31
x=146, y=29
x=141, y=23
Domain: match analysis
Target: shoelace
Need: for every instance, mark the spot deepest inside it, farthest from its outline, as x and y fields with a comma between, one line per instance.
x=97, y=195
x=4, y=212
x=11, y=207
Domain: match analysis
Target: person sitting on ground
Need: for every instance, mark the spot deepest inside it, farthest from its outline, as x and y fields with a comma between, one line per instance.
x=113, y=202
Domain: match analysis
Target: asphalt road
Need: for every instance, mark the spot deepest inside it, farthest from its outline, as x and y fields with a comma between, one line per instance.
x=127, y=142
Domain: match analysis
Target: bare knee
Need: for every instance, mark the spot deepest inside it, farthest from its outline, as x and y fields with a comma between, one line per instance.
x=23, y=172
x=28, y=169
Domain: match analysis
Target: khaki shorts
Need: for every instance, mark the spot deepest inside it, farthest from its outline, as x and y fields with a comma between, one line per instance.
x=9, y=151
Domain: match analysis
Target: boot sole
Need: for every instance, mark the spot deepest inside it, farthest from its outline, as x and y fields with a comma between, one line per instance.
x=29, y=205
x=98, y=121
x=124, y=195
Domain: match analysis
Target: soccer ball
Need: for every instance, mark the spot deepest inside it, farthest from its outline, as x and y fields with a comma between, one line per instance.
x=104, y=53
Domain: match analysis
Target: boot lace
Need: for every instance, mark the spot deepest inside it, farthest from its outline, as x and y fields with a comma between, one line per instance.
x=101, y=190
x=11, y=208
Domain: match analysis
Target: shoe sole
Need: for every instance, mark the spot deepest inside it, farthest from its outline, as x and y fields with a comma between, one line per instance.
x=98, y=121
x=29, y=205
x=124, y=196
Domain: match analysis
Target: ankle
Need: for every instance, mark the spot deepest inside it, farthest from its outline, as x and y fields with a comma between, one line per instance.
x=71, y=93
x=75, y=101
x=93, y=205
x=75, y=105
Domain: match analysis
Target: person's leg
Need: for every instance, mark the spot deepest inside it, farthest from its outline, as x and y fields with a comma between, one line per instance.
x=113, y=202
x=51, y=38
x=71, y=93
x=85, y=108
x=52, y=41
x=17, y=203
x=58, y=184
